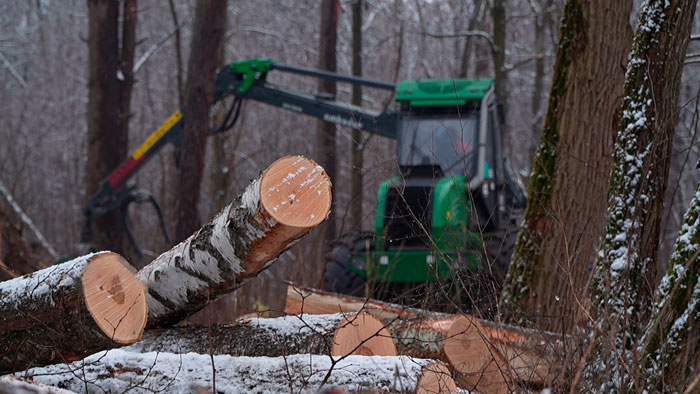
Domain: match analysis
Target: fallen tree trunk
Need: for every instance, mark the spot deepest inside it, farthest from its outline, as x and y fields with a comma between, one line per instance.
x=119, y=370
x=275, y=211
x=68, y=311
x=335, y=334
x=532, y=356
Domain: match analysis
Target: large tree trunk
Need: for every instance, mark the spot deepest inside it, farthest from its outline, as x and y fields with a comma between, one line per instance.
x=208, y=31
x=555, y=251
x=498, y=20
x=275, y=211
x=71, y=310
x=107, y=139
x=118, y=371
x=625, y=273
x=326, y=130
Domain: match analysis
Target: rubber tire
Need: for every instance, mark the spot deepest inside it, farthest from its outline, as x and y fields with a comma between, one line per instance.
x=499, y=249
x=338, y=277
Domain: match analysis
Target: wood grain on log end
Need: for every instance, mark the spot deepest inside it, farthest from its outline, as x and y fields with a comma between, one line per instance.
x=364, y=335
x=115, y=298
x=295, y=192
x=436, y=378
x=477, y=364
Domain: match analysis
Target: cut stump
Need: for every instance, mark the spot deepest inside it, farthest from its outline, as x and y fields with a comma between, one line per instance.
x=289, y=199
x=71, y=310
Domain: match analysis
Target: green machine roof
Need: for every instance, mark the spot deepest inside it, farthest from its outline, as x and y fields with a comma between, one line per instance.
x=441, y=92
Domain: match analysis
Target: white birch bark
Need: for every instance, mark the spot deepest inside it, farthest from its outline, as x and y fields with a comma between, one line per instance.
x=240, y=242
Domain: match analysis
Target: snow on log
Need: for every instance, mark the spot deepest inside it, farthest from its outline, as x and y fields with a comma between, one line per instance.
x=336, y=334
x=275, y=211
x=67, y=311
x=533, y=356
x=11, y=384
x=118, y=370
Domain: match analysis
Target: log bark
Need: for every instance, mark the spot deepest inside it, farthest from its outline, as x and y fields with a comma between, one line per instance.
x=119, y=370
x=337, y=334
x=71, y=310
x=533, y=356
x=275, y=211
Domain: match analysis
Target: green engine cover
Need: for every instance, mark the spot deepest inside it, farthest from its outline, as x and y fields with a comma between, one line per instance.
x=442, y=92
x=454, y=246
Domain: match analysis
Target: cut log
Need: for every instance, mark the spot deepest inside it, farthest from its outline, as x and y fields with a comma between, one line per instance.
x=71, y=310
x=119, y=370
x=275, y=211
x=364, y=335
x=335, y=334
x=532, y=356
x=436, y=378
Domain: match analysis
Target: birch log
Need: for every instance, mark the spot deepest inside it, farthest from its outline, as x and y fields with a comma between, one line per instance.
x=337, y=334
x=71, y=310
x=118, y=371
x=275, y=211
x=532, y=356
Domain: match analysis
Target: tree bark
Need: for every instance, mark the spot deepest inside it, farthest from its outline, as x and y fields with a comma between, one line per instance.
x=555, y=251
x=356, y=190
x=275, y=211
x=68, y=311
x=208, y=31
x=326, y=130
x=120, y=370
x=107, y=138
x=625, y=274
x=671, y=352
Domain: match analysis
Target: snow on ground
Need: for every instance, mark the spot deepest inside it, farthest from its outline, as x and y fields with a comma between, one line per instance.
x=117, y=371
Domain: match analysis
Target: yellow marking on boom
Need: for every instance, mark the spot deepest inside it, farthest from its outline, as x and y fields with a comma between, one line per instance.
x=156, y=135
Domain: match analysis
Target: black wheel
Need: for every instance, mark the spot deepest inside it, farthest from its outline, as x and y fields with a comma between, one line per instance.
x=338, y=277
x=499, y=250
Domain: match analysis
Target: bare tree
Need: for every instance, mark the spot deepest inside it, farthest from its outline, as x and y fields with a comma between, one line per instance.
x=357, y=138
x=566, y=195
x=207, y=34
x=110, y=84
x=326, y=132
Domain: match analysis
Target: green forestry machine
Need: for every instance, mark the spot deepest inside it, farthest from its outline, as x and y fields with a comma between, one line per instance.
x=450, y=204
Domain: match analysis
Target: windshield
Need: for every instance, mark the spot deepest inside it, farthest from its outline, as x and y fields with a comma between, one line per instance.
x=447, y=142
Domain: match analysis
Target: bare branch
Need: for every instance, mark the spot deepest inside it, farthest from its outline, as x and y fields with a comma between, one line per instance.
x=155, y=47
x=27, y=221
x=466, y=33
x=13, y=71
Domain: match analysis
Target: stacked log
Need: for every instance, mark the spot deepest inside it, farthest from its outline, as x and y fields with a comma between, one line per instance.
x=509, y=355
x=119, y=370
x=275, y=211
x=337, y=335
x=69, y=311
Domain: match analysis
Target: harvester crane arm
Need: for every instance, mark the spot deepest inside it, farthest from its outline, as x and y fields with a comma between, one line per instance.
x=243, y=80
